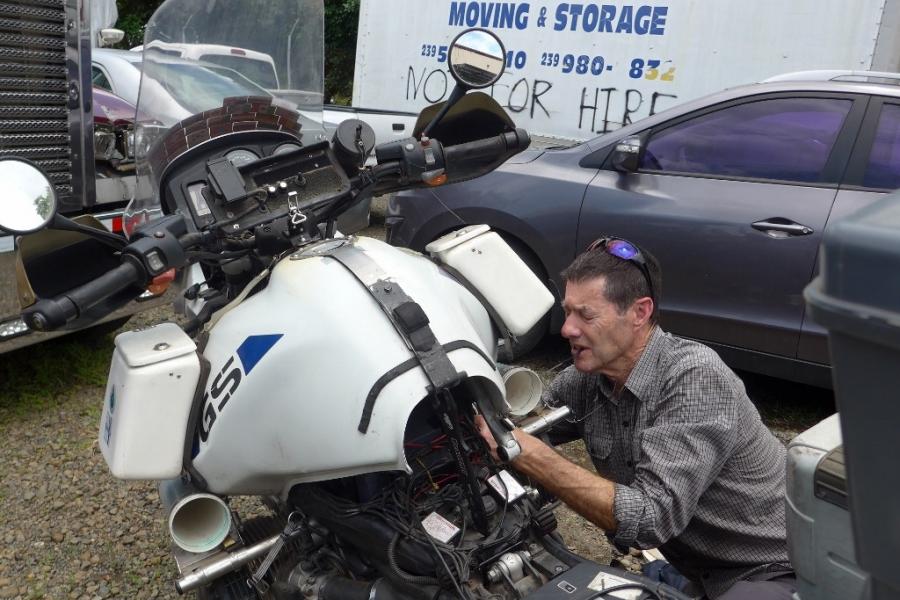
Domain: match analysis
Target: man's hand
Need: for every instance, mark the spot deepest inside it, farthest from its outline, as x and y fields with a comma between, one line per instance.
x=485, y=432
x=587, y=493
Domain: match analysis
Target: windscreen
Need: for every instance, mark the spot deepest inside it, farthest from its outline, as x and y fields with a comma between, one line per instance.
x=198, y=53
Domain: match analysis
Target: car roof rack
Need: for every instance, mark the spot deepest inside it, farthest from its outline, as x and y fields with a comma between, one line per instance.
x=881, y=77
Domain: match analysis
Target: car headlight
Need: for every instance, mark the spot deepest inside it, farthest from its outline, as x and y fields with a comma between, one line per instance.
x=128, y=143
x=105, y=143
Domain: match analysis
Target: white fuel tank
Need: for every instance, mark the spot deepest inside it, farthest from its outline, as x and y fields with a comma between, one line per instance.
x=292, y=366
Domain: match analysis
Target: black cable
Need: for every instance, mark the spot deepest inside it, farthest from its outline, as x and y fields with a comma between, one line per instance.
x=444, y=563
x=625, y=586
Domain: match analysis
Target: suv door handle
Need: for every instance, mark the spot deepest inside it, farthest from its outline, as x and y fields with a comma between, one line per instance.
x=779, y=228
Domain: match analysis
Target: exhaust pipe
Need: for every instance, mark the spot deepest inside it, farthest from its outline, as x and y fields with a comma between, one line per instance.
x=198, y=522
x=523, y=389
x=230, y=562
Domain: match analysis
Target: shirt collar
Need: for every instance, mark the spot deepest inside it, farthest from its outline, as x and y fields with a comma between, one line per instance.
x=642, y=376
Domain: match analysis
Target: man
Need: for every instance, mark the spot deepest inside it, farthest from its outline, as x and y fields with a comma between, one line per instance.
x=684, y=462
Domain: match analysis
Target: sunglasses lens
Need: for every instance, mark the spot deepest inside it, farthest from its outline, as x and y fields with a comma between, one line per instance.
x=622, y=249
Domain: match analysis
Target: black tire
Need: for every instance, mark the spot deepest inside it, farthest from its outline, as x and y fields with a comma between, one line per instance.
x=527, y=342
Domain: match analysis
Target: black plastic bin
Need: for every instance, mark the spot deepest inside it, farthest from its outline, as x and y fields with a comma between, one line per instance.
x=857, y=298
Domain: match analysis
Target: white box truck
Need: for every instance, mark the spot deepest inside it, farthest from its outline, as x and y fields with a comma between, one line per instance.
x=577, y=69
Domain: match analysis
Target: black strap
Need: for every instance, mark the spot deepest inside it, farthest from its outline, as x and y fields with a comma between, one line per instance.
x=402, y=368
x=407, y=317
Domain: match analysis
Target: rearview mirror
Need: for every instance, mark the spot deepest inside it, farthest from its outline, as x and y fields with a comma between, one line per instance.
x=29, y=199
x=627, y=154
x=477, y=58
x=110, y=37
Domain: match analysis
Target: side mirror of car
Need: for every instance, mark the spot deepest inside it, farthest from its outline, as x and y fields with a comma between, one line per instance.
x=627, y=154
x=29, y=202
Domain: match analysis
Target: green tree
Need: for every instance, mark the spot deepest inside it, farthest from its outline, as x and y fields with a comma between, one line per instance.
x=133, y=15
x=341, y=23
x=43, y=204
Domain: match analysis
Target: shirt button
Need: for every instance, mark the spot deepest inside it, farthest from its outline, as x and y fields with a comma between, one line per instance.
x=629, y=463
x=624, y=423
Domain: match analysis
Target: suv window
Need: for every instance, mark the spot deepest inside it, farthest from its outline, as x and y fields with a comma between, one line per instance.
x=99, y=79
x=883, y=169
x=780, y=138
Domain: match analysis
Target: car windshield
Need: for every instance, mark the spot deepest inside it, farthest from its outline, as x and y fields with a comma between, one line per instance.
x=254, y=70
x=197, y=87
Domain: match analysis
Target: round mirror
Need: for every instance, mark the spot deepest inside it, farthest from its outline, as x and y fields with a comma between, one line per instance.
x=29, y=200
x=477, y=58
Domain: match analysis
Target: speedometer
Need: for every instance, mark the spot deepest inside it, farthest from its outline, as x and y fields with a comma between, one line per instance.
x=287, y=147
x=241, y=156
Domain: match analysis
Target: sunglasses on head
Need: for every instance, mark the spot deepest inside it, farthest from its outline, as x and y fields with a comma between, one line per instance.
x=625, y=250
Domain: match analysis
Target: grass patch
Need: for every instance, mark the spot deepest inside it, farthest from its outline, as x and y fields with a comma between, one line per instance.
x=35, y=378
x=786, y=405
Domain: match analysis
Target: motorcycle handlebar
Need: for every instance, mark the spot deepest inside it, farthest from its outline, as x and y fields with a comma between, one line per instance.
x=416, y=161
x=471, y=159
x=52, y=313
x=488, y=147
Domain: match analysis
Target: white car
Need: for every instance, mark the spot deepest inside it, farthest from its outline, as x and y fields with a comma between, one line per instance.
x=120, y=72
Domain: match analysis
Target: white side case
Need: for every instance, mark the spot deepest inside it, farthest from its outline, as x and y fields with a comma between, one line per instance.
x=152, y=381
x=496, y=271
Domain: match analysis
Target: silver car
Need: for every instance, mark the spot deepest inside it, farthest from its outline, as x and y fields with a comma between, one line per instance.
x=730, y=192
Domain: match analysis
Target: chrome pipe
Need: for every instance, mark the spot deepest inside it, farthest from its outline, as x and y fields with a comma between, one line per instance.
x=546, y=421
x=232, y=562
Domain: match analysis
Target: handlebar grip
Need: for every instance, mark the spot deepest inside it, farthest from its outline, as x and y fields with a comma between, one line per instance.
x=52, y=313
x=487, y=148
x=473, y=159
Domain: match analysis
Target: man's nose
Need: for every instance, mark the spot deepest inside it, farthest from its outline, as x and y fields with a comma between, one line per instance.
x=569, y=329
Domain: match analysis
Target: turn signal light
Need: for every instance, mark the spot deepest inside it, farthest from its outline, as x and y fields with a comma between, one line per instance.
x=160, y=283
x=436, y=180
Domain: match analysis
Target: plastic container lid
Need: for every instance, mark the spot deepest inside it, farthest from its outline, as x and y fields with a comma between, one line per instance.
x=455, y=238
x=168, y=340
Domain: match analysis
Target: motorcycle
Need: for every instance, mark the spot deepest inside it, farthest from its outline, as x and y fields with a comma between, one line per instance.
x=335, y=378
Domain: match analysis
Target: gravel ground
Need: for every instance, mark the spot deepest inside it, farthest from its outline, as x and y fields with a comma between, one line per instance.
x=68, y=529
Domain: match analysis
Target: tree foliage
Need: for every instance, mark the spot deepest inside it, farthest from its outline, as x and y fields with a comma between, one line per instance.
x=133, y=15
x=341, y=22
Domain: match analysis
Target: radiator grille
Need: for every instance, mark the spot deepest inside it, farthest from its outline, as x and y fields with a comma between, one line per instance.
x=34, y=118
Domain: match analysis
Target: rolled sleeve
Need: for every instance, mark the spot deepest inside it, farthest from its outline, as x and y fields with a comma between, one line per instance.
x=630, y=508
x=681, y=454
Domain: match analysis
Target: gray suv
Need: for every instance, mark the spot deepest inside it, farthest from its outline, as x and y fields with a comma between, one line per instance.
x=731, y=192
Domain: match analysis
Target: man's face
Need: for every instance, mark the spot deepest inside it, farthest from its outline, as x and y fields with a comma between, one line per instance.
x=599, y=335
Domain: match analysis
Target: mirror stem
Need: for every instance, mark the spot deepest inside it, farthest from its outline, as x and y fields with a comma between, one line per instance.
x=110, y=239
x=455, y=96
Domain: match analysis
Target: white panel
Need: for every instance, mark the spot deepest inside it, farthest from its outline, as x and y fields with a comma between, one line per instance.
x=702, y=47
x=292, y=416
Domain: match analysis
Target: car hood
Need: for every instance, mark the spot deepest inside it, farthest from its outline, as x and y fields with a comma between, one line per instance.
x=111, y=109
x=539, y=146
x=525, y=156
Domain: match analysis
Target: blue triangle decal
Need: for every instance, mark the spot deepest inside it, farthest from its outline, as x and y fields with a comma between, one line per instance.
x=254, y=348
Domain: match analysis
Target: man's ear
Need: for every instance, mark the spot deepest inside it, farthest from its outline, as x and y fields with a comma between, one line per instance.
x=642, y=311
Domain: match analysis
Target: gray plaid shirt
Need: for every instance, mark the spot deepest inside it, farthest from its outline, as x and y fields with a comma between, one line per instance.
x=696, y=472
